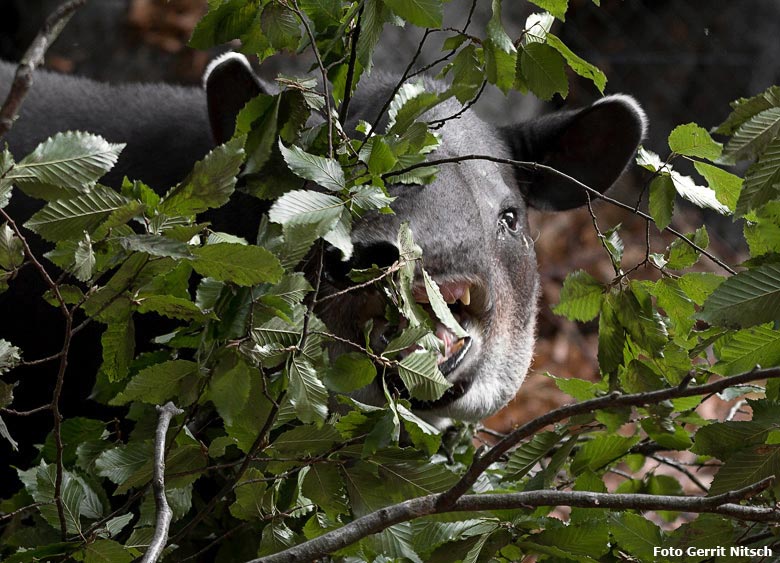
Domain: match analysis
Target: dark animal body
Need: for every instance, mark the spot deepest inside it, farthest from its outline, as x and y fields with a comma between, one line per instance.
x=471, y=222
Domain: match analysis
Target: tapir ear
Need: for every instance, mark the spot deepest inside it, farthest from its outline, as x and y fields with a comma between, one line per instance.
x=593, y=145
x=230, y=83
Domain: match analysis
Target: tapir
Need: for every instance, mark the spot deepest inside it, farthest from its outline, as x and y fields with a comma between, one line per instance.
x=471, y=222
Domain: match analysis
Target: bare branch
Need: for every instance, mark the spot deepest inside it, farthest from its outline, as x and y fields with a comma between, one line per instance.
x=537, y=167
x=32, y=59
x=164, y=512
x=21, y=510
x=424, y=506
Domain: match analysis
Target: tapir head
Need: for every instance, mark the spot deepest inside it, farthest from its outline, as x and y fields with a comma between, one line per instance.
x=472, y=225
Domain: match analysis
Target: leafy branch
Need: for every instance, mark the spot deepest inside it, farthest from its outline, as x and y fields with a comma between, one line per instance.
x=455, y=500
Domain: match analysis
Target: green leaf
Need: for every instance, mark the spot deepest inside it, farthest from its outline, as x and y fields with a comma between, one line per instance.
x=692, y=140
x=307, y=393
x=104, y=551
x=156, y=245
x=324, y=13
x=727, y=186
x=524, y=458
x=237, y=263
x=281, y=26
x=11, y=249
x=724, y=439
x=158, y=383
x=745, y=108
x=762, y=180
x=700, y=196
x=440, y=308
x=307, y=439
x=71, y=160
x=682, y=255
x=350, y=372
x=170, y=307
x=601, y=451
x=10, y=356
x=323, y=171
x=408, y=337
x=746, y=299
x=589, y=539
x=500, y=53
x=423, y=13
x=375, y=14
x=636, y=535
x=577, y=64
x=324, y=486
x=747, y=467
x=743, y=350
x=224, y=21
x=210, y=184
x=542, y=68
x=305, y=207
x=661, y=205
x=555, y=7
x=581, y=297
x=69, y=218
x=753, y=136
x=118, y=344
x=421, y=376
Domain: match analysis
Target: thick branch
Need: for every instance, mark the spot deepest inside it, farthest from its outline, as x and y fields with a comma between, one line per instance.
x=32, y=59
x=536, y=167
x=428, y=505
x=164, y=512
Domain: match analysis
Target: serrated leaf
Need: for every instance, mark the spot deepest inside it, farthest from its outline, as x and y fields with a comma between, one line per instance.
x=753, y=136
x=556, y=7
x=324, y=486
x=692, y=140
x=423, y=13
x=635, y=534
x=742, y=351
x=210, y=184
x=71, y=160
x=747, y=467
x=661, y=204
x=500, y=53
x=118, y=344
x=10, y=356
x=237, y=263
x=724, y=439
x=746, y=299
x=407, y=338
x=158, y=383
x=745, y=108
x=156, y=245
x=307, y=393
x=170, y=307
x=682, y=255
x=224, y=21
x=577, y=64
x=281, y=26
x=700, y=196
x=308, y=438
x=421, y=376
x=69, y=218
x=524, y=458
x=305, y=207
x=105, y=551
x=11, y=249
x=581, y=297
x=727, y=186
x=325, y=172
x=350, y=372
x=601, y=451
x=542, y=68
x=762, y=180
x=440, y=307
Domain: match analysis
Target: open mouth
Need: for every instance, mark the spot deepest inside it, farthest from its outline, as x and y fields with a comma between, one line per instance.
x=467, y=303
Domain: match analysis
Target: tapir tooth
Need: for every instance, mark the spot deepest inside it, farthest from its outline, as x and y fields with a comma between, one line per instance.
x=466, y=297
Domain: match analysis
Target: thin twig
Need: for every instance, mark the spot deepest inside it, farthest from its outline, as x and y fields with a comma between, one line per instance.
x=323, y=72
x=681, y=468
x=32, y=59
x=18, y=511
x=537, y=167
x=164, y=512
x=344, y=110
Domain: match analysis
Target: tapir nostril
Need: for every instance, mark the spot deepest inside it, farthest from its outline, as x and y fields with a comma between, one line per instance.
x=382, y=254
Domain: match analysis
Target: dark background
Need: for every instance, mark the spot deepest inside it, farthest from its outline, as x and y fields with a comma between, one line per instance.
x=684, y=60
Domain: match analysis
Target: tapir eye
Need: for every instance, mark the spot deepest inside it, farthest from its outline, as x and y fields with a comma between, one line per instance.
x=508, y=219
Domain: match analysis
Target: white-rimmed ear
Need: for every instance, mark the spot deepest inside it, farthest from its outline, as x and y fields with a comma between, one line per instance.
x=230, y=83
x=593, y=145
